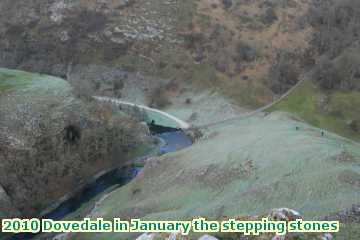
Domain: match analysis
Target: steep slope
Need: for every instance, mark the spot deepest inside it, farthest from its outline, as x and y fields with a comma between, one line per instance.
x=331, y=96
x=52, y=142
x=231, y=46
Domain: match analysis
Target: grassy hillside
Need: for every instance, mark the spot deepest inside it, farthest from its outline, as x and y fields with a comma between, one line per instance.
x=230, y=46
x=10, y=80
x=333, y=110
x=254, y=165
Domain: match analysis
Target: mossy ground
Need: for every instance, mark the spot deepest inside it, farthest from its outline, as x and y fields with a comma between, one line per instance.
x=340, y=108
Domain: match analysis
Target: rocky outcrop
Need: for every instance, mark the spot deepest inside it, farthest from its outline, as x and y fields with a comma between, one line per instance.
x=52, y=142
x=284, y=214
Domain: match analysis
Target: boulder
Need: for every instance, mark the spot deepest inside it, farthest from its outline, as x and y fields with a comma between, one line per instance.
x=284, y=214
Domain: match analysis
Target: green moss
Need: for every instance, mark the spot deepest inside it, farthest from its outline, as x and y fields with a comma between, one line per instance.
x=334, y=114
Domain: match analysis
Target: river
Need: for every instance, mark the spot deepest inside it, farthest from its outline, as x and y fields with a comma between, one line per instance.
x=172, y=141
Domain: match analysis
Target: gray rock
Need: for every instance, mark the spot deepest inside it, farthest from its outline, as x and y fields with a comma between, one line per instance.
x=284, y=214
x=207, y=237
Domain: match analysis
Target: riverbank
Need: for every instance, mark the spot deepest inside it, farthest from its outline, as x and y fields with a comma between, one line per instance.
x=242, y=168
x=84, y=201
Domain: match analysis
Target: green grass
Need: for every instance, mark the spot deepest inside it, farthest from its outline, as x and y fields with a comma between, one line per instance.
x=340, y=108
x=11, y=80
x=213, y=178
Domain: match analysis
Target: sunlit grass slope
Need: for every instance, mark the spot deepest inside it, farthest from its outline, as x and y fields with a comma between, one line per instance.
x=13, y=80
x=331, y=110
x=244, y=168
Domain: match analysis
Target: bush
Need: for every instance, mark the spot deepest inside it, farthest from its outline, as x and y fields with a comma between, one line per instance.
x=269, y=17
x=84, y=89
x=337, y=24
x=340, y=73
x=284, y=74
x=118, y=84
x=193, y=40
x=348, y=68
x=326, y=75
x=90, y=21
x=245, y=52
x=158, y=98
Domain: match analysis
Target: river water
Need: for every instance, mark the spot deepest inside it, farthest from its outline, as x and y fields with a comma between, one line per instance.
x=172, y=141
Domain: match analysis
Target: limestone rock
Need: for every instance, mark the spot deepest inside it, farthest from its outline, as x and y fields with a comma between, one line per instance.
x=207, y=237
x=284, y=214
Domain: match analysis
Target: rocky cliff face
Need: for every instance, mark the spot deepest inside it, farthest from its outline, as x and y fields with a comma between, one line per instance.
x=52, y=142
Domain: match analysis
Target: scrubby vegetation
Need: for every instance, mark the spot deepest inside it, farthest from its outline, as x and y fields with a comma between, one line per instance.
x=330, y=99
x=158, y=97
x=337, y=25
x=285, y=73
x=251, y=51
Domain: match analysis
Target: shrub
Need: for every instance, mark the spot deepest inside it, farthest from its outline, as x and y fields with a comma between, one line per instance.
x=348, y=69
x=245, y=52
x=326, y=75
x=284, y=74
x=158, y=97
x=192, y=40
x=340, y=73
x=269, y=17
x=118, y=84
x=84, y=89
x=337, y=24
